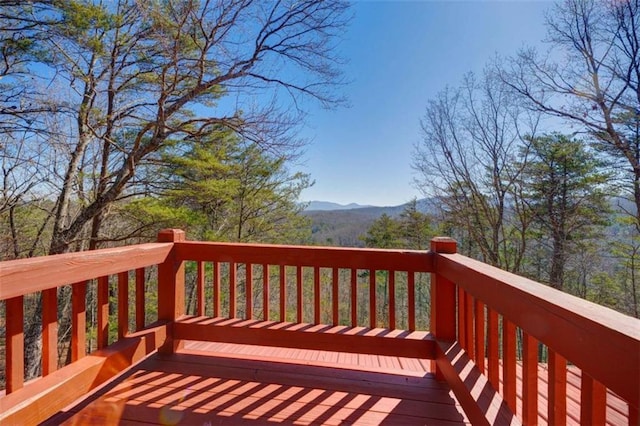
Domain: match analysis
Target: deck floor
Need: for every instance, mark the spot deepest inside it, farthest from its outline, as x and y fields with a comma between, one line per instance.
x=222, y=383
x=211, y=384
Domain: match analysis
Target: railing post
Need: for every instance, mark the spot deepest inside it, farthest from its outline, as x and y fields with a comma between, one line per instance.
x=443, y=297
x=170, y=287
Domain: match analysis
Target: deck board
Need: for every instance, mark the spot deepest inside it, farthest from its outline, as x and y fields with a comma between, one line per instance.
x=234, y=384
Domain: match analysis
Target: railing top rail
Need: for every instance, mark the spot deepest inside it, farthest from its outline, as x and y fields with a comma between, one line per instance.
x=334, y=257
x=602, y=342
x=25, y=276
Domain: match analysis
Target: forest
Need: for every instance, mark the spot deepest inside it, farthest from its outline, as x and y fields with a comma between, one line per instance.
x=121, y=118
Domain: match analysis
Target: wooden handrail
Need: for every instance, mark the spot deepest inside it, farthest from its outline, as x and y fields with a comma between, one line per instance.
x=309, y=256
x=603, y=343
x=25, y=276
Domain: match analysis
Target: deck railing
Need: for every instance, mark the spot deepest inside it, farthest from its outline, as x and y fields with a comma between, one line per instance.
x=486, y=323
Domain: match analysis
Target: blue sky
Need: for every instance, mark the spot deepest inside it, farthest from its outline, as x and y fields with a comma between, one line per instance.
x=401, y=53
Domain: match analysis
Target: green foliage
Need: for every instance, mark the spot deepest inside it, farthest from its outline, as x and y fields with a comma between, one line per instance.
x=411, y=230
x=383, y=233
x=224, y=189
x=565, y=191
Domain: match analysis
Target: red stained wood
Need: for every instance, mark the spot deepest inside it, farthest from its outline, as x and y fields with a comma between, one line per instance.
x=372, y=299
x=462, y=329
x=529, y=380
x=283, y=294
x=140, y=299
x=568, y=325
x=249, y=391
x=335, y=290
x=493, y=366
x=306, y=336
x=593, y=401
x=216, y=289
x=123, y=304
x=337, y=257
x=392, y=299
x=14, y=352
x=78, y=320
x=509, y=364
x=354, y=297
x=249, y=291
x=171, y=297
x=299, y=295
x=266, y=312
x=316, y=295
x=49, y=331
x=200, y=288
x=233, y=313
x=557, y=393
x=468, y=324
x=479, y=335
x=26, y=276
x=103, y=312
x=482, y=403
x=411, y=302
x=42, y=398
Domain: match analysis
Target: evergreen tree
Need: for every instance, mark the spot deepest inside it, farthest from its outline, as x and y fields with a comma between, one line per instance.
x=225, y=189
x=415, y=227
x=384, y=233
x=566, y=197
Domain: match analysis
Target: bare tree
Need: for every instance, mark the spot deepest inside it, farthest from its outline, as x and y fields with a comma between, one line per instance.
x=143, y=75
x=472, y=138
x=590, y=79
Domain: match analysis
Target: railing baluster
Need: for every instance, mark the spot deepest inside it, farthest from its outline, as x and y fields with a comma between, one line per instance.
x=316, y=295
x=492, y=348
x=392, y=299
x=529, y=379
x=103, y=312
x=468, y=321
x=266, y=293
x=14, y=314
x=480, y=335
x=299, y=292
x=216, y=289
x=283, y=293
x=140, y=299
x=249, y=291
x=354, y=297
x=509, y=363
x=78, y=320
x=593, y=401
x=335, y=281
x=411, y=289
x=123, y=304
x=200, y=288
x=372, y=299
x=232, y=290
x=443, y=300
x=462, y=329
x=557, y=394
x=49, y=331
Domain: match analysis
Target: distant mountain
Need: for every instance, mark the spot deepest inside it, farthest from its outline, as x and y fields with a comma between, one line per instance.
x=329, y=206
x=339, y=225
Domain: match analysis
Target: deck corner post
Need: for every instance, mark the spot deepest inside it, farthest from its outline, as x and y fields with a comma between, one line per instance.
x=443, y=297
x=171, y=297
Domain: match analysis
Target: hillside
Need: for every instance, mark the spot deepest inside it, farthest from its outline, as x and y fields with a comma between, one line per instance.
x=344, y=226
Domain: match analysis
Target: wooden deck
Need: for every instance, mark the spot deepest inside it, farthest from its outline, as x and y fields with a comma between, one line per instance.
x=225, y=383
x=486, y=327
x=210, y=384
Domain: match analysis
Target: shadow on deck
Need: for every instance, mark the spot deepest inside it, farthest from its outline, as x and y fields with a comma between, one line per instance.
x=260, y=385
